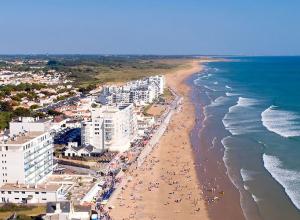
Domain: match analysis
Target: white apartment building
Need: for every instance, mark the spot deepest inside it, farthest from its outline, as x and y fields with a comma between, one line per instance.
x=92, y=133
x=159, y=83
x=139, y=92
x=26, y=158
x=111, y=128
x=143, y=96
x=26, y=154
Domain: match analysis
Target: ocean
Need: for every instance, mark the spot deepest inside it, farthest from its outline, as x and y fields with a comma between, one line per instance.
x=251, y=108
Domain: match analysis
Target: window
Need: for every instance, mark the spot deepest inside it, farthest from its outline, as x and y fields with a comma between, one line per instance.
x=43, y=192
x=2, y=192
x=23, y=192
x=9, y=192
x=36, y=192
x=44, y=199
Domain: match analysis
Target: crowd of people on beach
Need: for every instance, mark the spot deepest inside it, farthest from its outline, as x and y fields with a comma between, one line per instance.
x=118, y=163
x=177, y=178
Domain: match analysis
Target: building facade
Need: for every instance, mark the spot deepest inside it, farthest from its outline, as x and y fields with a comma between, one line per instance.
x=26, y=158
x=139, y=92
x=26, y=153
x=30, y=194
x=111, y=128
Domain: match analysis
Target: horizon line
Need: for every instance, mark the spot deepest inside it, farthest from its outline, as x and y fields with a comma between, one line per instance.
x=174, y=55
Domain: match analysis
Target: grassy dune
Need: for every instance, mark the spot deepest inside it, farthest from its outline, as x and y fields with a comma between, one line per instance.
x=100, y=70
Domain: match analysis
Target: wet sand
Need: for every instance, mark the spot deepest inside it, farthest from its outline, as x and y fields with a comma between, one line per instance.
x=220, y=195
x=166, y=185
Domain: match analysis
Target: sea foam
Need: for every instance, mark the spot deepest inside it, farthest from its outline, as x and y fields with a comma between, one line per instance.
x=246, y=102
x=219, y=101
x=247, y=175
x=231, y=94
x=289, y=179
x=210, y=88
x=284, y=123
x=236, y=121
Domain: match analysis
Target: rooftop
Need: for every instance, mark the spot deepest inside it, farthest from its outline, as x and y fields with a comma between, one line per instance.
x=22, y=138
x=27, y=187
x=31, y=119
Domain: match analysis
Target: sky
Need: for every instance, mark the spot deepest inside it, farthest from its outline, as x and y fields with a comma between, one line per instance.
x=167, y=27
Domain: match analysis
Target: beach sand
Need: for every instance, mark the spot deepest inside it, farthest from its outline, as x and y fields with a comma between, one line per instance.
x=166, y=185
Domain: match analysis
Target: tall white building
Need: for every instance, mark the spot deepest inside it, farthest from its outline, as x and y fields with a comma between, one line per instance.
x=139, y=92
x=92, y=133
x=158, y=82
x=26, y=156
x=111, y=128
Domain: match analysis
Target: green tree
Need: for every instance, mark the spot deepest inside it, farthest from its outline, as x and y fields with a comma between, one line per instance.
x=5, y=106
x=34, y=107
x=53, y=112
x=21, y=112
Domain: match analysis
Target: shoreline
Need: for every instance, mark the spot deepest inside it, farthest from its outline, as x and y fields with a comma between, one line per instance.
x=221, y=196
x=166, y=186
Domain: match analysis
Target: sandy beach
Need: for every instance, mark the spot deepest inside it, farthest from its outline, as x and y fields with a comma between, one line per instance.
x=166, y=185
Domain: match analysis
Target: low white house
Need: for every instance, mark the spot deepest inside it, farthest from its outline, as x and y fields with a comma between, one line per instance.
x=73, y=150
x=29, y=194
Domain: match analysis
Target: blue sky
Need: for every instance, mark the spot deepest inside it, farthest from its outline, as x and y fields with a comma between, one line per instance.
x=240, y=27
